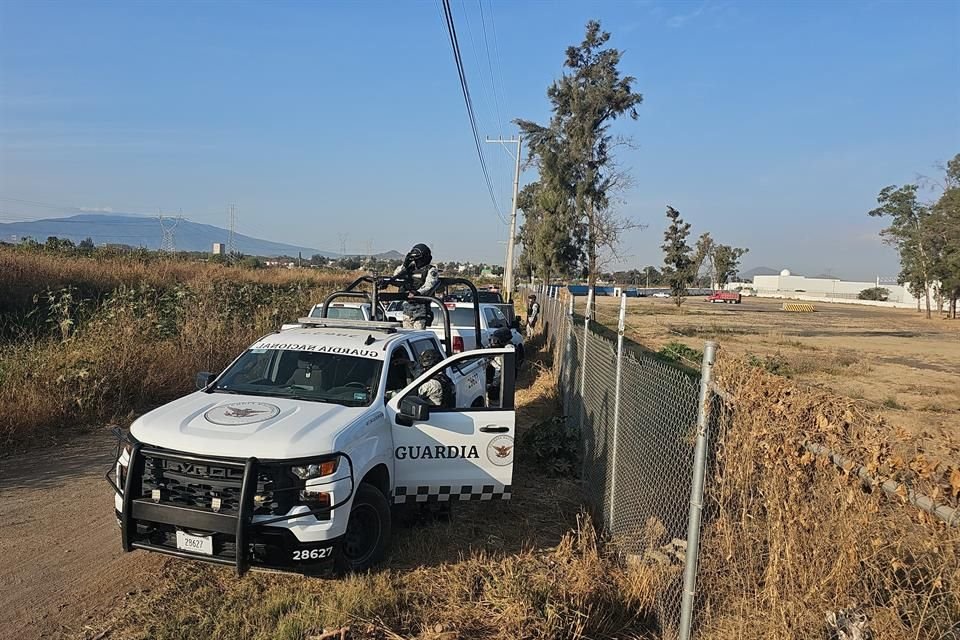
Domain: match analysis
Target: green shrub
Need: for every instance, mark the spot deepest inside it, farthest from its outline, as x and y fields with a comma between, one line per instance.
x=874, y=293
x=554, y=447
x=679, y=352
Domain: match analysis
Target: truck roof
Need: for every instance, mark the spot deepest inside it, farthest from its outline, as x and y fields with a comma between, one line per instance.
x=368, y=343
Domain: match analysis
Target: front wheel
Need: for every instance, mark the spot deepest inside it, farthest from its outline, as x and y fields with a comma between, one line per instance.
x=368, y=531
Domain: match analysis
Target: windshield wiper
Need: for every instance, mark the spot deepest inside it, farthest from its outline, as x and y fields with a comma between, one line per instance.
x=328, y=400
x=240, y=393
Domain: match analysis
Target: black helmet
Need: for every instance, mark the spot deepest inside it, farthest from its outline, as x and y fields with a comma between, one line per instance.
x=501, y=337
x=419, y=256
x=429, y=358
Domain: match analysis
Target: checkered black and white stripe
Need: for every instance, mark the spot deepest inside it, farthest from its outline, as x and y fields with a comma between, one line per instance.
x=446, y=493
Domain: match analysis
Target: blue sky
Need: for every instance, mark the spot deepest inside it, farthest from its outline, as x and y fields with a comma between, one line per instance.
x=771, y=125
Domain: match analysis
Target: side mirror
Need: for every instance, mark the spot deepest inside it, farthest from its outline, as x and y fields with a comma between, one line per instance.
x=204, y=378
x=413, y=408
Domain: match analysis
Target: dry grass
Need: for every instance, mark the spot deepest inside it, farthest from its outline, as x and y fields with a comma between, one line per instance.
x=870, y=353
x=790, y=538
x=118, y=336
x=572, y=590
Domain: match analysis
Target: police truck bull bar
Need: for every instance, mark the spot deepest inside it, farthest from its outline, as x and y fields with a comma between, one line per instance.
x=139, y=509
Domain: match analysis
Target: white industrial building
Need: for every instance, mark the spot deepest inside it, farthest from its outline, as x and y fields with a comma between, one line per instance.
x=788, y=285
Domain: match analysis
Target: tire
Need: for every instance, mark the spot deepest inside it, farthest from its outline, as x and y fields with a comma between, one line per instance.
x=368, y=531
x=520, y=355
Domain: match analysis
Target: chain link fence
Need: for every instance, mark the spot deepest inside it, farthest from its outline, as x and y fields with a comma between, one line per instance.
x=784, y=520
x=637, y=416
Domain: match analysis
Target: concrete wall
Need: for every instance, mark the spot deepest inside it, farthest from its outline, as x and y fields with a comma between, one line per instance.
x=827, y=288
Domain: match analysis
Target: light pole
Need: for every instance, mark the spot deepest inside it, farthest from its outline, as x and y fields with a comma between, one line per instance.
x=511, y=239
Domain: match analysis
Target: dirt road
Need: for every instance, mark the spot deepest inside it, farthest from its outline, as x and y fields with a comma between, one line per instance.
x=60, y=558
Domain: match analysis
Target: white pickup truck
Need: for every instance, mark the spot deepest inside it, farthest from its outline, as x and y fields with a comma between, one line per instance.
x=462, y=326
x=291, y=457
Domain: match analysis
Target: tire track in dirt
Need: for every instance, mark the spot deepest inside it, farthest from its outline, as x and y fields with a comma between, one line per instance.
x=60, y=557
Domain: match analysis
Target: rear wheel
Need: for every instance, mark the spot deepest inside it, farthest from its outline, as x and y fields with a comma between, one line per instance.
x=368, y=531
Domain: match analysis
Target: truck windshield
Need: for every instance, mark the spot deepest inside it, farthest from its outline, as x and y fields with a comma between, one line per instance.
x=338, y=313
x=459, y=317
x=303, y=375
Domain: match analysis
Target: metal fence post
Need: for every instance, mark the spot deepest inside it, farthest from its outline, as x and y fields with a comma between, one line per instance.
x=583, y=359
x=621, y=322
x=696, y=493
x=567, y=366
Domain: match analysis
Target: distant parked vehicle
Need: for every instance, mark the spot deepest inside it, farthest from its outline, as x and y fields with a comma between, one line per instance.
x=660, y=294
x=728, y=297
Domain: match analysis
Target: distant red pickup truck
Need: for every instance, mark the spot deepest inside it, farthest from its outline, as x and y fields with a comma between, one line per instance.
x=729, y=297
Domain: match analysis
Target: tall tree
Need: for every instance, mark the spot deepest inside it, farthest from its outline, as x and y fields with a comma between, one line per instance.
x=678, y=256
x=651, y=276
x=578, y=143
x=912, y=233
x=703, y=255
x=547, y=238
x=725, y=261
x=946, y=224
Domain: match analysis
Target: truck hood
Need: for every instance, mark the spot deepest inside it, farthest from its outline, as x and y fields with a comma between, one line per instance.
x=240, y=426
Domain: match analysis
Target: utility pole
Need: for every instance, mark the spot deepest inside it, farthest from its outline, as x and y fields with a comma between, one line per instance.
x=511, y=239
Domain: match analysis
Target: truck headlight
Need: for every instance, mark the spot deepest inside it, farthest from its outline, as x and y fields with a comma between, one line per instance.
x=318, y=470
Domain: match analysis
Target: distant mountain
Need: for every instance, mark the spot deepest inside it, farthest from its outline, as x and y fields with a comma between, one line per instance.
x=747, y=276
x=138, y=231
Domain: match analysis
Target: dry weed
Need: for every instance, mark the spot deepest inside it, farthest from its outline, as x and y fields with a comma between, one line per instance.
x=145, y=330
x=791, y=539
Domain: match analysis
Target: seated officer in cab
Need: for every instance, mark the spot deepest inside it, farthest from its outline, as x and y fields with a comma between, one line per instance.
x=438, y=390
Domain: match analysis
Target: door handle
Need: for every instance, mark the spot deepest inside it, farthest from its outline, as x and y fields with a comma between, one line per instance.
x=492, y=428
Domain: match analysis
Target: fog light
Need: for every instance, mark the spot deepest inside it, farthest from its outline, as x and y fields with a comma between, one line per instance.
x=315, y=499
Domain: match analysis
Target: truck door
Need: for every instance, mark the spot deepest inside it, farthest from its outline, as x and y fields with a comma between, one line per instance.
x=446, y=453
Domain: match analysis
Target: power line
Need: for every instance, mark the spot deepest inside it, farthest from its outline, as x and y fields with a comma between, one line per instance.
x=493, y=80
x=477, y=58
x=452, y=31
x=503, y=90
x=496, y=48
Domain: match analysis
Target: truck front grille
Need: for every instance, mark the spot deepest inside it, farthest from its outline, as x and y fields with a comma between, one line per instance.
x=195, y=485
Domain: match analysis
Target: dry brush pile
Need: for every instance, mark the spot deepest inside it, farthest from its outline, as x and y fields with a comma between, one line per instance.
x=88, y=340
x=790, y=538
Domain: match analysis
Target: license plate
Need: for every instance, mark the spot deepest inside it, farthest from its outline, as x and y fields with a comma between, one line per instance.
x=195, y=544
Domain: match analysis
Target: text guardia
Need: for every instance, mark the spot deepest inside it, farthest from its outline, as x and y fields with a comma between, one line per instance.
x=436, y=452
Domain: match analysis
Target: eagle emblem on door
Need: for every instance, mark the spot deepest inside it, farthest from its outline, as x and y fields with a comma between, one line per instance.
x=500, y=451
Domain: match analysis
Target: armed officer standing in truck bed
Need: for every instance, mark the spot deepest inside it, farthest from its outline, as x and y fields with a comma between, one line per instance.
x=421, y=278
